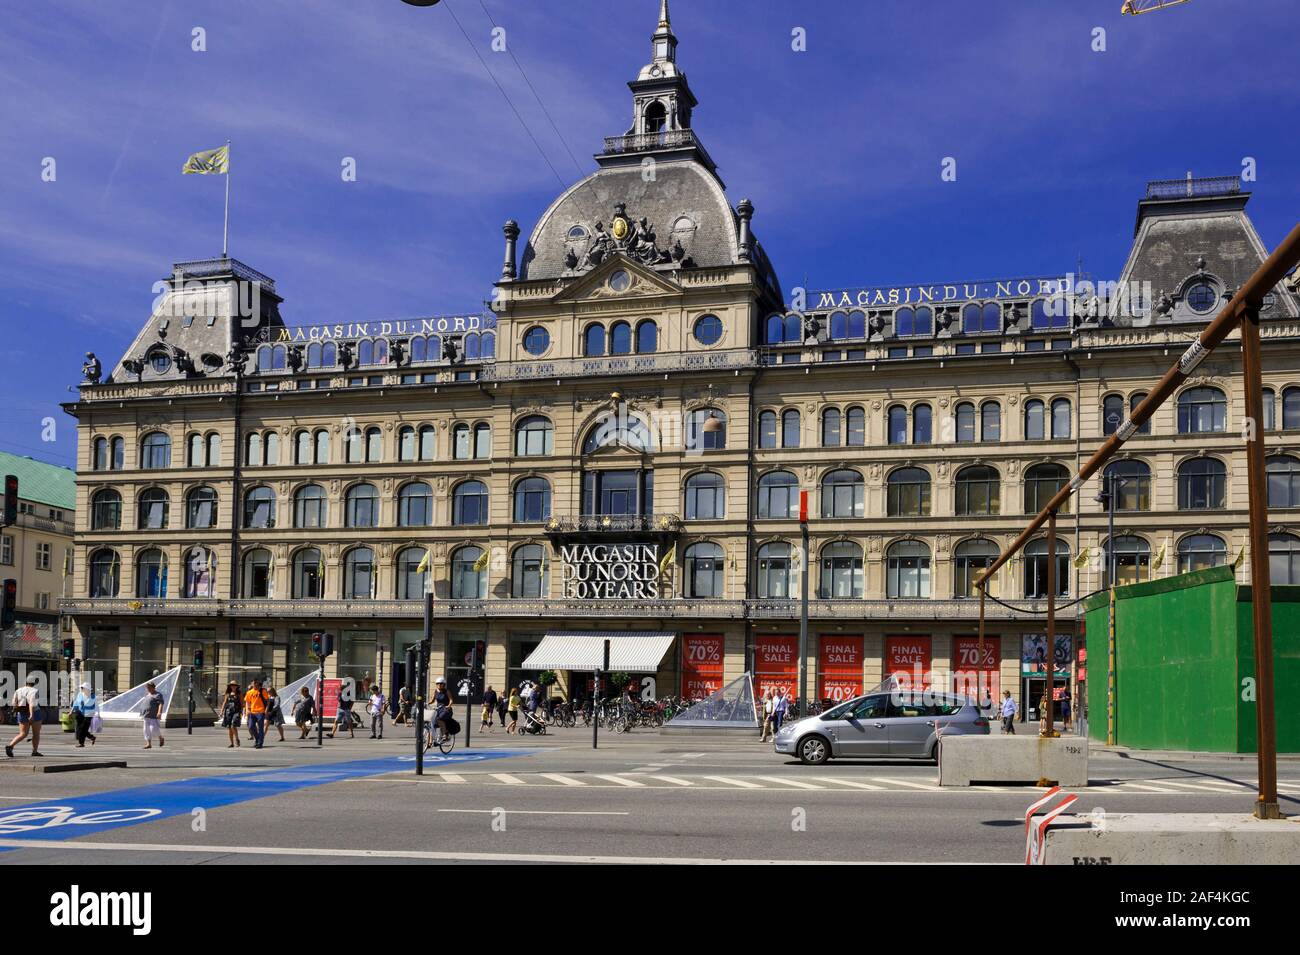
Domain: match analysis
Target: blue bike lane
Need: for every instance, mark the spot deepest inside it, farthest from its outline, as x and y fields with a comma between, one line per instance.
x=58, y=820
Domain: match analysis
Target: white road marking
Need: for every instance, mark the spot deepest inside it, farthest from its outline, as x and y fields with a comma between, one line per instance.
x=851, y=783
x=631, y=783
x=507, y=778
x=1146, y=787
x=543, y=812
x=738, y=783
x=560, y=778
x=904, y=782
x=452, y=777
x=1206, y=786
x=674, y=780
x=796, y=783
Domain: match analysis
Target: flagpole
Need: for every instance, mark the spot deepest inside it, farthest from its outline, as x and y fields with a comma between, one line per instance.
x=225, y=228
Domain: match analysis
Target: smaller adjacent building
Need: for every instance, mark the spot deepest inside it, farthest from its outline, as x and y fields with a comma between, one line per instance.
x=1185, y=664
x=36, y=551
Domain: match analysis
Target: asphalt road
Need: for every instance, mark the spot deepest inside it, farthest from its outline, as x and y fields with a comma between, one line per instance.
x=639, y=797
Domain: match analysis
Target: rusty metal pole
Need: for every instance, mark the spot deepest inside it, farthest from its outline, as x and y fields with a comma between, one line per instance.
x=1045, y=710
x=1266, y=806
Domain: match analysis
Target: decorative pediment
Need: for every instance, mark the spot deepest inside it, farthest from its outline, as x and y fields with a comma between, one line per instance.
x=617, y=277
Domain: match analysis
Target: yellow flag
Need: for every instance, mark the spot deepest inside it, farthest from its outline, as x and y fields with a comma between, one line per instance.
x=668, y=558
x=1082, y=560
x=208, y=162
x=480, y=565
x=1160, y=557
x=424, y=564
x=1240, y=554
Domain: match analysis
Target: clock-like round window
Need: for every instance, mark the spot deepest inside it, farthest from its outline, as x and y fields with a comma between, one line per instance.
x=620, y=281
x=160, y=361
x=708, y=330
x=1201, y=297
x=537, y=340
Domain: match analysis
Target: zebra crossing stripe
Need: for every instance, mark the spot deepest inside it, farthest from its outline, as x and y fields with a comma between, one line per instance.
x=852, y=784
x=674, y=780
x=632, y=783
x=798, y=784
x=738, y=783
x=903, y=782
x=452, y=777
x=507, y=778
x=1145, y=787
x=566, y=780
x=1207, y=786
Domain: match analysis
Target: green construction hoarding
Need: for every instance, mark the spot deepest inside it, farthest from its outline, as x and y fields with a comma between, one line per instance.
x=1185, y=664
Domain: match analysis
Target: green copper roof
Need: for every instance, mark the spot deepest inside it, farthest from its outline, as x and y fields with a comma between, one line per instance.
x=41, y=482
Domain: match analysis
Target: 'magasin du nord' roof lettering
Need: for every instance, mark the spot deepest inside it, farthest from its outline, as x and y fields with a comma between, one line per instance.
x=885, y=295
x=441, y=325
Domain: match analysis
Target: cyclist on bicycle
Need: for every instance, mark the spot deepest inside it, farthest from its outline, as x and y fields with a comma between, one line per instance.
x=441, y=709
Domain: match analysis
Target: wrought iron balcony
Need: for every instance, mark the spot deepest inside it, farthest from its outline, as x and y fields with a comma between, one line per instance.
x=648, y=142
x=615, y=524
x=1193, y=188
x=205, y=268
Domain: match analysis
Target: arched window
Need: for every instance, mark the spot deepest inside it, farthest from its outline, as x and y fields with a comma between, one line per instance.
x=201, y=508
x=831, y=420
x=151, y=574
x=922, y=424
x=214, y=450
x=471, y=344
x=308, y=574
x=1035, y=420
x=767, y=429
x=1283, y=559
x=412, y=573
x=1043, y=317
x=896, y=428
x=842, y=494
x=1042, y=482
x=990, y=421
x=706, y=430
x=468, y=577
x=1270, y=409
x=1061, y=419
x=841, y=571
x=979, y=490
x=1204, y=410
x=117, y=454
x=1202, y=484
x=1131, y=483
x=482, y=441
x=374, y=445
x=909, y=492
x=593, y=341
x=428, y=442
x=406, y=443
x=197, y=451
x=322, y=438
x=419, y=349
x=1132, y=559
x=105, y=574
x=856, y=427
x=155, y=451
x=534, y=436
x=1290, y=408
x=790, y=428
x=106, y=510
x=1134, y=400
x=907, y=571
x=200, y=573
x=359, y=574
x=620, y=338
x=1283, y=481
x=964, y=422
x=257, y=581
x=366, y=352
x=529, y=572
x=414, y=505
x=1112, y=413
x=778, y=496
x=776, y=578
x=469, y=504
x=705, y=500
x=310, y=506
x=152, y=506
x=1199, y=551
x=303, y=448
x=618, y=429
x=703, y=566
x=259, y=507
x=354, y=445
x=532, y=500
x=460, y=442
x=253, y=450
x=99, y=454
x=361, y=506
x=647, y=337
x=970, y=559
x=1036, y=569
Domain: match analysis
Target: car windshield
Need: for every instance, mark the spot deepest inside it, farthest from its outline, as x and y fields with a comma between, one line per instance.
x=841, y=710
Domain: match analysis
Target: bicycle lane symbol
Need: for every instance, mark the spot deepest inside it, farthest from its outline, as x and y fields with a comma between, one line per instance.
x=24, y=820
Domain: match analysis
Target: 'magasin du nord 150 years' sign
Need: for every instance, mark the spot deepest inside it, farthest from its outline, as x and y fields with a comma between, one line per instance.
x=610, y=571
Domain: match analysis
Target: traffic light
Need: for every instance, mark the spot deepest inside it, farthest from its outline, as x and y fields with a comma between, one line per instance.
x=8, y=603
x=11, y=500
x=69, y=648
x=198, y=659
x=322, y=644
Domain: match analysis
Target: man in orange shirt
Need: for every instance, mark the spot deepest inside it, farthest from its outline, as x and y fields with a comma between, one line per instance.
x=255, y=707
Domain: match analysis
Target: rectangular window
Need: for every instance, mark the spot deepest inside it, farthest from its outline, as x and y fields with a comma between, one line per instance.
x=989, y=348
x=43, y=556
x=6, y=550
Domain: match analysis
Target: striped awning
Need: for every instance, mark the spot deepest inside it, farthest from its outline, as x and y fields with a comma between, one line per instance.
x=629, y=651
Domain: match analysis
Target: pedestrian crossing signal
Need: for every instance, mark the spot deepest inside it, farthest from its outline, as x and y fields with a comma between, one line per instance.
x=8, y=604
x=198, y=659
x=69, y=648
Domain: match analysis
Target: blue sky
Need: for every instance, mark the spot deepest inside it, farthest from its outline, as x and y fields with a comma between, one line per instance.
x=839, y=147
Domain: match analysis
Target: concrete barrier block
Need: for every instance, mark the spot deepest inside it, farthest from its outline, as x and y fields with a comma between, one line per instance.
x=1197, y=838
x=971, y=760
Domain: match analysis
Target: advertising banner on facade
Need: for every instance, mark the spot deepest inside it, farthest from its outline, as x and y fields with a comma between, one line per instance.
x=702, y=656
x=976, y=673
x=908, y=659
x=1033, y=655
x=776, y=664
x=839, y=668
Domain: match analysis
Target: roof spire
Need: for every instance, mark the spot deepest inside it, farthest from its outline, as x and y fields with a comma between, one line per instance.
x=663, y=44
x=664, y=22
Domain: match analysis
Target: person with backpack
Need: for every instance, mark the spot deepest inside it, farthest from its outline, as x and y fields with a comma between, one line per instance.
x=303, y=711
x=343, y=712
x=489, y=709
x=232, y=708
x=255, y=701
x=84, y=708
x=152, y=712
x=376, y=709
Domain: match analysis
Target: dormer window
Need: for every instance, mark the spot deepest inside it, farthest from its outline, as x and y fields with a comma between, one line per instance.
x=1201, y=297
x=160, y=361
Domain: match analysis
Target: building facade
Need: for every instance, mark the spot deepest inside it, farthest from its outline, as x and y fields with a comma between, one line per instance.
x=36, y=552
x=620, y=444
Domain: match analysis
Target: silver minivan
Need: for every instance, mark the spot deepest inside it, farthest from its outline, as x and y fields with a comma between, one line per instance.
x=900, y=725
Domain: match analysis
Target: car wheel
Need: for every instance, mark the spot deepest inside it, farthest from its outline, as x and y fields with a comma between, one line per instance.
x=934, y=752
x=814, y=750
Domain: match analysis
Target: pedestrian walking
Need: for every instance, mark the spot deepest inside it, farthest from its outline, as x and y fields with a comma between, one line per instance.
x=84, y=708
x=780, y=706
x=303, y=711
x=26, y=703
x=232, y=709
x=255, y=706
x=513, y=709
x=403, y=706
x=1008, y=713
x=343, y=712
x=503, y=705
x=489, y=708
x=1065, y=709
x=766, y=731
x=152, y=711
x=274, y=712
x=377, y=704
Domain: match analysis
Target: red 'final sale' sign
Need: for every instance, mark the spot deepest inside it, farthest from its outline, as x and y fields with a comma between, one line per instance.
x=839, y=668
x=908, y=659
x=776, y=663
x=701, y=665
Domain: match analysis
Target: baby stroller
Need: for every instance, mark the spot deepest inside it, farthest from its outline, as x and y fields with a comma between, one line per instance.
x=534, y=723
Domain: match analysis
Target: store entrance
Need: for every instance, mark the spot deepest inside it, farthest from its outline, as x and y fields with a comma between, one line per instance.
x=1032, y=694
x=229, y=661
